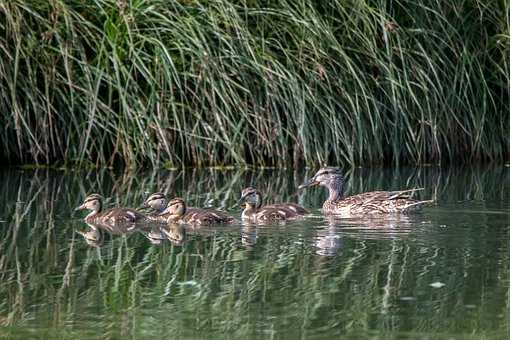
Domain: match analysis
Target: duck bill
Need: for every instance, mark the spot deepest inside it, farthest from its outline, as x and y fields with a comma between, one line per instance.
x=310, y=183
x=81, y=207
x=240, y=202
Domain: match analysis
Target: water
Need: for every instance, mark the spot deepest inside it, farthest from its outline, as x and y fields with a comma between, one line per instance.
x=444, y=273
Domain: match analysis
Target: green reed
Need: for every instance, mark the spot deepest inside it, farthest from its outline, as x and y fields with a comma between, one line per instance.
x=221, y=82
x=215, y=284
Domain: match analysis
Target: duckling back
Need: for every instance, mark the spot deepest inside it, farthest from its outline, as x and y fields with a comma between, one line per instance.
x=254, y=211
x=163, y=217
x=207, y=217
x=268, y=214
x=271, y=213
x=117, y=215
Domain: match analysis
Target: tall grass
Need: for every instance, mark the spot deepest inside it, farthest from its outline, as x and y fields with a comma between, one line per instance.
x=259, y=82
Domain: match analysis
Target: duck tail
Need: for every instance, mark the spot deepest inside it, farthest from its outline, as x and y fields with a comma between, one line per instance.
x=417, y=204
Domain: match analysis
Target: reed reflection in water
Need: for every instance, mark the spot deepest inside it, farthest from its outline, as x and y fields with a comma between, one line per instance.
x=318, y=277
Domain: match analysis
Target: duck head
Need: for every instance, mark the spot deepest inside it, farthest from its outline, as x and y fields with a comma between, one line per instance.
x=329, y=177
x=251, y=197
x=156, y=201
x=176, y=208
x=92, y=202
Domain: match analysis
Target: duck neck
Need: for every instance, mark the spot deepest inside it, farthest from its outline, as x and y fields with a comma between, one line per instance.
x=90, y=216
x=336, y=190
x=176, y=215
x=250, y=209
x=161, y=207
x=94, y=212
x=172, y=218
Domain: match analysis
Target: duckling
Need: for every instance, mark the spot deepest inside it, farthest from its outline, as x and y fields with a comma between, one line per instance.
x=292, y=207
x=94, y=202
x=176, y=211
x=159, y=202
x=375, y=202
x=254, y=211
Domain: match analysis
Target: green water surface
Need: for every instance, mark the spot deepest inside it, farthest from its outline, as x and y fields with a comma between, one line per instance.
x=440, y=274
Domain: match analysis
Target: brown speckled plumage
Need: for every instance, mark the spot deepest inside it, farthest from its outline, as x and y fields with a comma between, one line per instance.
x=176, y=210
x=255, y=212
x=94, y=203
x=368, y=203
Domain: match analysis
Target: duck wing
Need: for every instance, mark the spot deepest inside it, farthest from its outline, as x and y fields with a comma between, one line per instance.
x=206, y=217
x=383, y=202
x=272, y=213
x=386, y=195
x=162, y=217
x=119, y=220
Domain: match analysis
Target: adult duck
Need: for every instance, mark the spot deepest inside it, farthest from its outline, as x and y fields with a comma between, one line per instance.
x=367, y=203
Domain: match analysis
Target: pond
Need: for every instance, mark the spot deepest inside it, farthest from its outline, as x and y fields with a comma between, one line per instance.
x=441, y=273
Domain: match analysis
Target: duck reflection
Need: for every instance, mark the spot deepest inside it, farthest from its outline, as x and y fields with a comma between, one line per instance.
x=154, y=234
x=377, y=228
x=93, y=236
x=328, y=242
x=330, y=239
x=158, y=233
x=175, y=233
x=249, y=235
